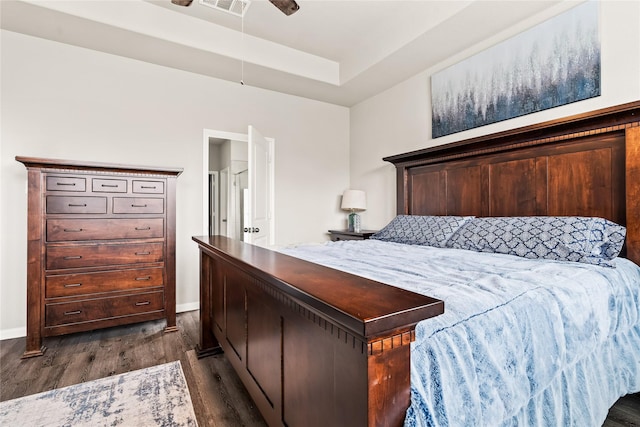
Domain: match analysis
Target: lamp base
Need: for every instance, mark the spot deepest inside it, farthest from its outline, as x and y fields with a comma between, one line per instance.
x=354, y=222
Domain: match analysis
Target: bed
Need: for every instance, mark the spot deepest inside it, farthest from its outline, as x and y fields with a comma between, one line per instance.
x=322, y=341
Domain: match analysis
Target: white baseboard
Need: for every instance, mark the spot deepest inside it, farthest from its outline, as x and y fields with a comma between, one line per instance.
x=190, y=306
x=7, y=334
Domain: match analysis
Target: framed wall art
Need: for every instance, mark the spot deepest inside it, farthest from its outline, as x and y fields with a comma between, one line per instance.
x=556, y=62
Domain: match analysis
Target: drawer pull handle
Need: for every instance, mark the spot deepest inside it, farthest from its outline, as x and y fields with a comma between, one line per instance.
x=143, y=278
x=143, y=303
x=138, y=206
x=143, y=228
x=110, y=185
x=71, y=313
x=143, y=253
x=73, y=257
x=77, y=205
x=66, y=183
x=72, y=285
x=153, y=187
x=72, y=230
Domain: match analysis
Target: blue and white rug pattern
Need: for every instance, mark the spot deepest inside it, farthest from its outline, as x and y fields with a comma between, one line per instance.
x=156, y=396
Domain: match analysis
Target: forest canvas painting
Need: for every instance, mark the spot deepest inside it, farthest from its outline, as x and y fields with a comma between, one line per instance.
x=554, y=63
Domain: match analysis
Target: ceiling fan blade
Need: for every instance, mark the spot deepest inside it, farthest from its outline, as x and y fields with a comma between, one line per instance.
x=286, y=6
x=182, y=2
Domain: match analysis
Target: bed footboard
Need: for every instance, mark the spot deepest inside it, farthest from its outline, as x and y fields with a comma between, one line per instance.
x=313, y=346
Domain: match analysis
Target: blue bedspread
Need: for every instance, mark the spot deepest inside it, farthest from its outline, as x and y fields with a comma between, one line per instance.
x=521, y=343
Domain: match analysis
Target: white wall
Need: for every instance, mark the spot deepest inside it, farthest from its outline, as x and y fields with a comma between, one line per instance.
x=399, y=119
x=230, y=152
x=61, y=101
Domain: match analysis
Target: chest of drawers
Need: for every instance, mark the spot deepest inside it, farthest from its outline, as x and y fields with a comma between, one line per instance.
x=100, y=247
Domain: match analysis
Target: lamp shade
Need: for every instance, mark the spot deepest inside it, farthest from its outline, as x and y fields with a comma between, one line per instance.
x=354, y=200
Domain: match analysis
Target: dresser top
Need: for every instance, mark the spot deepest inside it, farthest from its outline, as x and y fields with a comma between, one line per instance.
x=36, y=162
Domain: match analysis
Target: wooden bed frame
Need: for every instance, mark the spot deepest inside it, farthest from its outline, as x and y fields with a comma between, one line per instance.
x=317, y=347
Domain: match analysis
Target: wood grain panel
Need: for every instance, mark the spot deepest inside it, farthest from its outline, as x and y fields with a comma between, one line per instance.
x=428, y=192
x=99, y=185
x=76, y=205
x=217, y=297
x=59, y=230
x=35, y=266
x=66, y=285
x=97, y=255
x=264, y=345
x=580, y=183
x=464, y=191
x=170, y=254
x=211, y=285
x=138, y=205
x=103, y=308
x=512, y=188
x=581, y=177
x=633, y=193
x=307, y=377
x=148, y=187
x=236, y=311
x=542, y=190
x=392, y=370
x=66, y=183
x=325, y=375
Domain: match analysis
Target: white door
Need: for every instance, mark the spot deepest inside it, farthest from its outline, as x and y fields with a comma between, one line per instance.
x=214, y=203
x=246, y=217
x=258, y=229
x=224, y=202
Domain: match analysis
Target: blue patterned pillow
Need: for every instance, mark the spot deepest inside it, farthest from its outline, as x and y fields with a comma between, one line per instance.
x=579, y=239
x=421, y=230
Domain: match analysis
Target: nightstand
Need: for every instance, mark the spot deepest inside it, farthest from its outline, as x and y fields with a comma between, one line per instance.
x=350, y=235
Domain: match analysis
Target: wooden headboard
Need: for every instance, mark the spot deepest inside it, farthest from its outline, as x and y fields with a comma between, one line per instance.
x=586, y=165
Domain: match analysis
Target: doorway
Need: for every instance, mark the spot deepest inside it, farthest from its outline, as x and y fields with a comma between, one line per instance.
x=238, y=195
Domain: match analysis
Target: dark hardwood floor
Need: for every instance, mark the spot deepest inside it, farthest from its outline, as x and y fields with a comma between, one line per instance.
x=219, y=399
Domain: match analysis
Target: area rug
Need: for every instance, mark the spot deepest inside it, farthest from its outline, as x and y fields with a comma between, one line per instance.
x=156, y=396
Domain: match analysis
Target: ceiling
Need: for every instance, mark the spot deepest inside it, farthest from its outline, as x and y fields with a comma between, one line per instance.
x=335, y=51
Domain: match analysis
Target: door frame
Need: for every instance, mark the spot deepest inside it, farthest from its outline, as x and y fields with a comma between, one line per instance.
x=242, y=137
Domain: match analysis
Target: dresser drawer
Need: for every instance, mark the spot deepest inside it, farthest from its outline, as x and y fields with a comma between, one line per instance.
x=138, y=205
x=74, y=256
x=148, y=187
x=102, y=308
x=76, y=205
x=60, y=230
x=68, y=285
x=99, y=185
x=66, y=183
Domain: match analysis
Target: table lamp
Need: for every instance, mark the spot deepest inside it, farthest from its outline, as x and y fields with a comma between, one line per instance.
x=354, y=200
